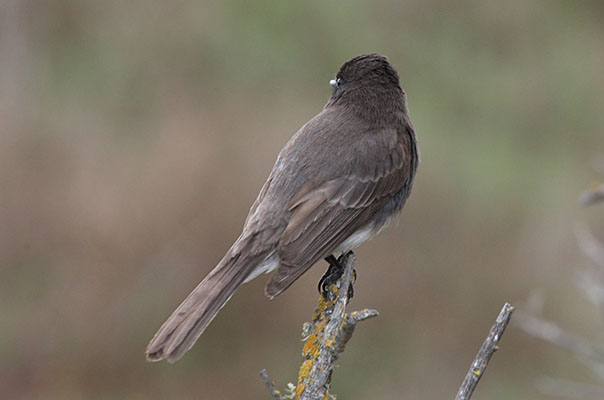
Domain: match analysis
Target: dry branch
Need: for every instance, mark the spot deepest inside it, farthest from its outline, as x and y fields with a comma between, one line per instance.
x=325, y=338
x=487, y=349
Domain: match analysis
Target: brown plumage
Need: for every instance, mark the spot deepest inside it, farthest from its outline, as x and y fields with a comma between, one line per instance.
x=335, y=184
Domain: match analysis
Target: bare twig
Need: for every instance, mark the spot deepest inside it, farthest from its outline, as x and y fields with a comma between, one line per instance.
x=350, y=323
x=484, y=354
x=276, y=395
x=550, y=332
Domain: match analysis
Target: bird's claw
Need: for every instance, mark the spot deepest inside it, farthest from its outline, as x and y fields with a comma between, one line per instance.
x=331, y=276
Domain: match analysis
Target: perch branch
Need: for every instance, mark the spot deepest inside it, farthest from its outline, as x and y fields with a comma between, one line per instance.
x=484, y=354
x=325, y=338
x=327, y=335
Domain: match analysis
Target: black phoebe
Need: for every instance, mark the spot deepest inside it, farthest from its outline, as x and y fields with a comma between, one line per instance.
x=336, y=183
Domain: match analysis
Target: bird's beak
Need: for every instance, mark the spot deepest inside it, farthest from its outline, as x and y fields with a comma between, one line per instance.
x=333, y=83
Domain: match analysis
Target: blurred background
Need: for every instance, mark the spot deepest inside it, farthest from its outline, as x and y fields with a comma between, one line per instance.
x=134, y=136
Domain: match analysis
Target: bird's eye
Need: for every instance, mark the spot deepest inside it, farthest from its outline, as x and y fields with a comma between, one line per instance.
x=335, y=82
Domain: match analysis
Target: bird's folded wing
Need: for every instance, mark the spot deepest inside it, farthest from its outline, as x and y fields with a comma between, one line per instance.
x=326, y=214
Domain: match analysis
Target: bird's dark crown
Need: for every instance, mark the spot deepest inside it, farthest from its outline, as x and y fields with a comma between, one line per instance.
x=368, y=67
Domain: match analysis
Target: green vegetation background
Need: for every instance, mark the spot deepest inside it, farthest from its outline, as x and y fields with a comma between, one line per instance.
x=134, y=136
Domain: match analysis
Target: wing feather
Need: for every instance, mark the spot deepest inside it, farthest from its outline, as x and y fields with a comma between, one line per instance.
x=324, y=215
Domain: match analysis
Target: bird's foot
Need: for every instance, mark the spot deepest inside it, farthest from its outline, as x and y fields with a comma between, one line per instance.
x=331, y=276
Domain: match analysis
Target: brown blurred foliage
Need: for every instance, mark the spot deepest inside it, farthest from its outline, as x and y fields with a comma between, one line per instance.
x=134, y=136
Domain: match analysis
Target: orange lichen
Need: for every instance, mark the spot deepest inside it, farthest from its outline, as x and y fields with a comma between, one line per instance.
x=305, y=369
x=311, y=346
x=310, y=350
x=299, y=390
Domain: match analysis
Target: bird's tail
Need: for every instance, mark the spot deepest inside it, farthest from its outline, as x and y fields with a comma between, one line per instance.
x=192, y=317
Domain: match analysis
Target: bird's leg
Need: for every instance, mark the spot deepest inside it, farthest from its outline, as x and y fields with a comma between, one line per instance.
x=333, y=273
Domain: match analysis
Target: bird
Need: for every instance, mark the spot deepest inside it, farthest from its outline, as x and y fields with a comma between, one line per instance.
x=337, y=182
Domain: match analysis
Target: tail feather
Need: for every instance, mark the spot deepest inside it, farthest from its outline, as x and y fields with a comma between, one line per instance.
x=178, y=334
